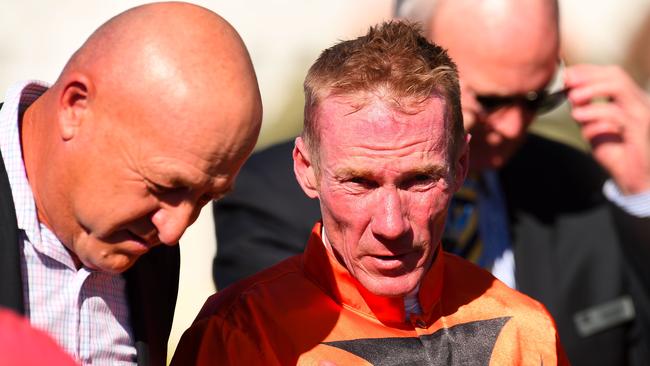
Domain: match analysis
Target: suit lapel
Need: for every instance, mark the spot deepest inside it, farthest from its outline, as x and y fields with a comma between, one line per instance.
x=152, y=287
x=11, y=288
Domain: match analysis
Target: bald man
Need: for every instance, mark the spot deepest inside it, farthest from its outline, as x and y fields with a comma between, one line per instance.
x=563, y=235
x=109, y=166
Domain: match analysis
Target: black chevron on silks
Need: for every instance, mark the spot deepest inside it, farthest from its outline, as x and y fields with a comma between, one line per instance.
x=464, y=344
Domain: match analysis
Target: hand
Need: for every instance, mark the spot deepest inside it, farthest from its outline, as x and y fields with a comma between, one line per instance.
x=617, y=126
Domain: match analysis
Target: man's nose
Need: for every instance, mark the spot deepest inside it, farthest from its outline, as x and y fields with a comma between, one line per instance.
x=510, y=122
x=171, y=221
x=389, y=220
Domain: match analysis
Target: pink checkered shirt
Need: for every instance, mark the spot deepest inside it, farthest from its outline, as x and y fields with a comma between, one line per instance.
x=85, y=311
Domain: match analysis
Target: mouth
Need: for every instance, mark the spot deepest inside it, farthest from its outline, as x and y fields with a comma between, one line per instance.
x=394, y=264
x=140, y=244
x=390, y=257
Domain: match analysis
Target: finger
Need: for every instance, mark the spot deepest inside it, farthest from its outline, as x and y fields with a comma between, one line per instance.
x=616, y=91
x=595, y=131
x=634, y=120
x=599, y=120
x=589, y=82
x=577, y=75
x=598, y=112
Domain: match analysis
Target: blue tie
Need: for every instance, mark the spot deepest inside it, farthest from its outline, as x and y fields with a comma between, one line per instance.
x=480, y=238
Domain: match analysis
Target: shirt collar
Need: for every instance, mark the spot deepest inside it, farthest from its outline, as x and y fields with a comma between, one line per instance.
x=322, y=267
x=20, y=96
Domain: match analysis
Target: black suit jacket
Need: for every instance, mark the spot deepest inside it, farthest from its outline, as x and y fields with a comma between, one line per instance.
x=568, y=252
x=152, y=284
x=265, y=219
x=566, y=244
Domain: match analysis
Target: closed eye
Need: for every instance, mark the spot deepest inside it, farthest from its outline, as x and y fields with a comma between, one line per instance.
x=419, y=181
x=171, y=193
x=160, y=189
x=363, y=182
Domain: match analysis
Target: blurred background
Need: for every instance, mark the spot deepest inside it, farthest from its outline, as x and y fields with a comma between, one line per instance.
x=284, y=37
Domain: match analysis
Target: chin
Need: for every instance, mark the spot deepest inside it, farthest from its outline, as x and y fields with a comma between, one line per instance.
x=112, y=263
x=392, y=286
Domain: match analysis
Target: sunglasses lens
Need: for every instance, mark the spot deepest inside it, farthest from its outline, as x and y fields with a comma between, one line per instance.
x=551, y=101
x=541, y=102
x=491, y=103
x=538, y=102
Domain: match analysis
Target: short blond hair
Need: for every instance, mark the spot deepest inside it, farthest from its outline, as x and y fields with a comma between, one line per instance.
x=392, y=59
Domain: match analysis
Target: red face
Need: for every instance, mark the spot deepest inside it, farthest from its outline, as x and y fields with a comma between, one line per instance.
x=138, y=195
x=131, y=183
x=384, y=182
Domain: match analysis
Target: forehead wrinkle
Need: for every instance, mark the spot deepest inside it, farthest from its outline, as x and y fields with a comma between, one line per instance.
x=402, y=142
x=385, y=132
x=202, y=154
x=379, y=130
x=176, y=172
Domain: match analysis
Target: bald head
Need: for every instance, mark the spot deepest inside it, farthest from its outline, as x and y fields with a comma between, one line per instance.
x=505, y=50
x=177, y=54
x=150, y=119
x=501, y=37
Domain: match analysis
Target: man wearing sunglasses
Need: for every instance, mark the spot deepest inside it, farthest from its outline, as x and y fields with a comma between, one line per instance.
x=544, y=225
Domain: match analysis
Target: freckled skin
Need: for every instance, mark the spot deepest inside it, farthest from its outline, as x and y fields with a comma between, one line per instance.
x=384, y=185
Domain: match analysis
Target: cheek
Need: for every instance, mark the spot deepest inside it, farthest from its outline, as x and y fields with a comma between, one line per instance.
x=104, y=208
x=344, y=206
x=427, y=211
x=346, y=218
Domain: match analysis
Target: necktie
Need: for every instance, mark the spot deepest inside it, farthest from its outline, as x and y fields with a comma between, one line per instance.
x=477, y=226
x=461, y=235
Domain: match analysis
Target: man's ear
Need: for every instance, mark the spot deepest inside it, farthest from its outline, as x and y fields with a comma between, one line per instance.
x=462, y=162
x=73, y=104
x=304, y=169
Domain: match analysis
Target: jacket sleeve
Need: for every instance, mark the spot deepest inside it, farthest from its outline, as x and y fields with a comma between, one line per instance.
x=212, y=341
x=266, y=219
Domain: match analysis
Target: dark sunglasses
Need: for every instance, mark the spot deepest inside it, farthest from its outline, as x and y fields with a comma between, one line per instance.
x=537, y=101
x=534, y=101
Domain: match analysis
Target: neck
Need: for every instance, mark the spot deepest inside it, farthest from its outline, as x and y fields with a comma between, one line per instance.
x=35, y=148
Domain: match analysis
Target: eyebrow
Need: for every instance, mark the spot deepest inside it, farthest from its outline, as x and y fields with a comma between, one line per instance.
x=430, y=169
x=351, y=172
